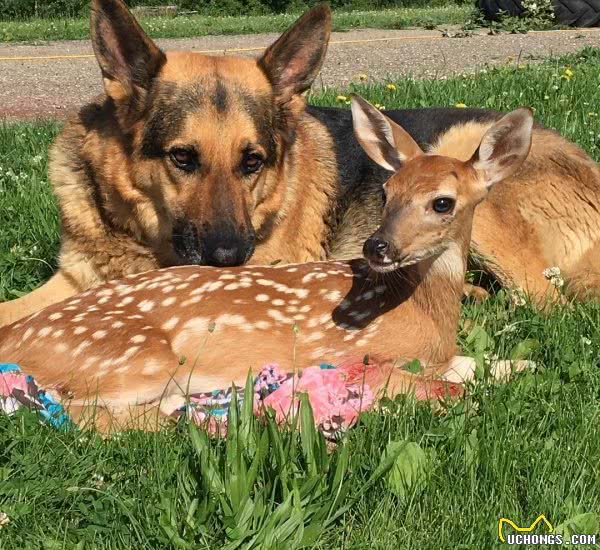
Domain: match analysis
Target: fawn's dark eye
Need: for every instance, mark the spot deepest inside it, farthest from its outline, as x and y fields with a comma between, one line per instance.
x=443, y=205
x=251, y=163
x=184, y=158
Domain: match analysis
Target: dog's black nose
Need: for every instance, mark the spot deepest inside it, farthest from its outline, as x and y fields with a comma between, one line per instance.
x=375, y=248
x=226, y=251
x=226, y=256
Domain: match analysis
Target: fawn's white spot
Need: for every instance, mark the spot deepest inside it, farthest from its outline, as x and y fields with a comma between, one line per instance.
x=313, y=337
x=198, y=326
x=344, y=305
x=215, y=285
x=152, y=367
x=278, y=316
x=83, y=345
x=146, y=305
x=170, y=324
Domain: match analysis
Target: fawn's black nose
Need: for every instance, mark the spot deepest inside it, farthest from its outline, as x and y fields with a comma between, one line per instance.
x=375, y=248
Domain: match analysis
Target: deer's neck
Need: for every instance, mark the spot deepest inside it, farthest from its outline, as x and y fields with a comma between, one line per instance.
x=432, y=291
x=442, y=283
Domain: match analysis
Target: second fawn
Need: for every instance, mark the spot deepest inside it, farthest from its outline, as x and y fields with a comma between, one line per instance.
x=122, y=344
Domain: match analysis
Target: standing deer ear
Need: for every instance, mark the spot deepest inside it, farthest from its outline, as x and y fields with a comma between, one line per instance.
x=504, y=147
x=387, y=143
x=128, y=59
x=294, y=60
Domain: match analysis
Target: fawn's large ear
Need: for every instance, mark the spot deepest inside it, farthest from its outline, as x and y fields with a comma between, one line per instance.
x=294, y=60
x=128, y=59
x=387, y=143
x=504, y=147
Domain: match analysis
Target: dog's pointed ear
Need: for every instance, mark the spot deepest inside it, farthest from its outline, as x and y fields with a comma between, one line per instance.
x=387, y=143
x=504, y=147
x=128, y=58
x=294, y=60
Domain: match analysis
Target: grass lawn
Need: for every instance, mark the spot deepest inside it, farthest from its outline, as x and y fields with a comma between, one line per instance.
x=515, y=451
x=201, y=25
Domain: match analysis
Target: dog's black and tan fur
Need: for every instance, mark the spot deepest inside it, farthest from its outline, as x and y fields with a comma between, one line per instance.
x=217, y=160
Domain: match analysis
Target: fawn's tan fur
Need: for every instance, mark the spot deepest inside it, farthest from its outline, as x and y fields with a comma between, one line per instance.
x=123, y=344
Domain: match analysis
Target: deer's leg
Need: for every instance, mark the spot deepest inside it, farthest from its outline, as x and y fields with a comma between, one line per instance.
x=478, y=293
x=147, y=417
x=461, y=369
x=389, y=380
x=58, y=288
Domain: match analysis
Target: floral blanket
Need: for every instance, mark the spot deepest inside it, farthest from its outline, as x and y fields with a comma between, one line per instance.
x=20, y=390
x=337, y=396
x=336, y=403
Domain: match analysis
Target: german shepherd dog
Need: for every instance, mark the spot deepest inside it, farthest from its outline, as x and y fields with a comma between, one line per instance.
x=193, y=159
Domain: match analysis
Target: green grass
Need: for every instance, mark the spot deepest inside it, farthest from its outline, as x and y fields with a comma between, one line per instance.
x=201, y=25
x=518, y=450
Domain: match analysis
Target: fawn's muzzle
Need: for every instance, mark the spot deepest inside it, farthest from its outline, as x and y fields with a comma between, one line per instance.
x=375, y=249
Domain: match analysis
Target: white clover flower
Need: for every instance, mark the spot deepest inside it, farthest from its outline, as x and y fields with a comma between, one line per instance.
x=4, y=519
x=551, y=272
x=518, y=297
x=553, y=275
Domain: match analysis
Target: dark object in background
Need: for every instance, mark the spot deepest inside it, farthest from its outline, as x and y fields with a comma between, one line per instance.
x=574, y=13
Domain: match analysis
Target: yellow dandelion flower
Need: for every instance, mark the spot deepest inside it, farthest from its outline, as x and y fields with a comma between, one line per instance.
x=341, y=98
x=391, y=87
x=567, y=74
x=363, y=77
x=460, y=105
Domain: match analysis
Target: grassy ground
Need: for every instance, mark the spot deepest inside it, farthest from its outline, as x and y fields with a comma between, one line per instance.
x=514, y=451
x=200, y=25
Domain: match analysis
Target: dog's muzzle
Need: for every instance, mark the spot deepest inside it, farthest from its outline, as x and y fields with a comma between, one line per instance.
x=219, y=248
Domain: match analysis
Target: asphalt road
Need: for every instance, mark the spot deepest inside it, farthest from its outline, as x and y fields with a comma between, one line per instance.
x=49, y=80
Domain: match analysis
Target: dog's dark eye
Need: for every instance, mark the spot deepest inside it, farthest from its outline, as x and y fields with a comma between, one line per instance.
x=443, y=205
x=184, y=159
x=252, y=163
